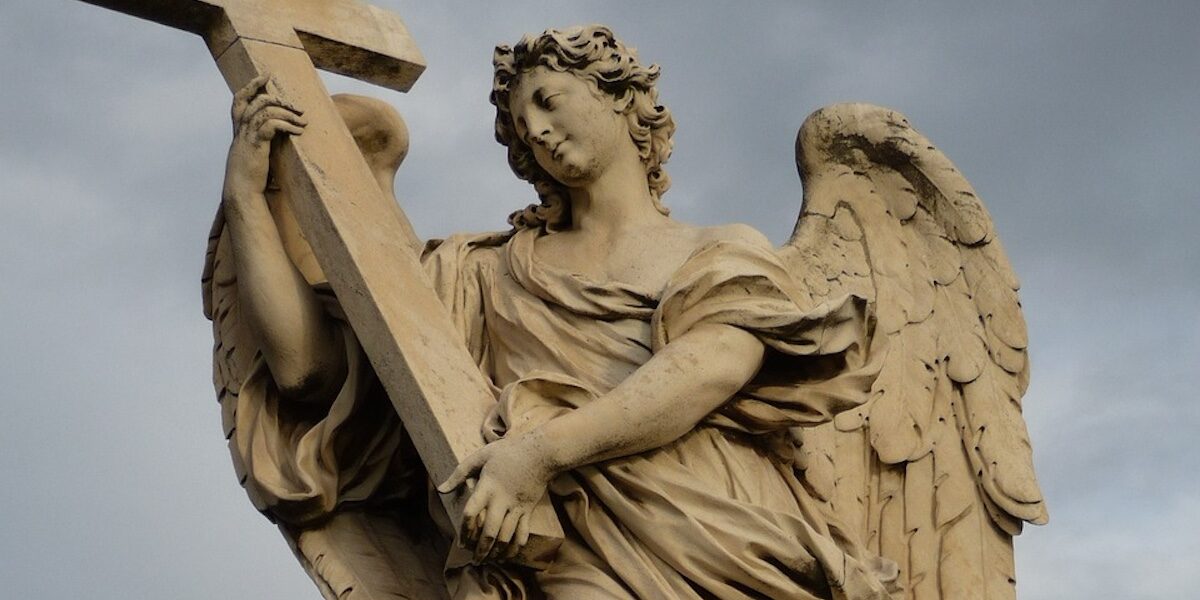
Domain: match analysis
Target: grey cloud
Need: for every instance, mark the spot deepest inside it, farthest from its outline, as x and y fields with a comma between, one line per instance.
x=1076, y=124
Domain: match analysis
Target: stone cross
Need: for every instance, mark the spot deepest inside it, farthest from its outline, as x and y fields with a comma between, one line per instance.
x=362, y=240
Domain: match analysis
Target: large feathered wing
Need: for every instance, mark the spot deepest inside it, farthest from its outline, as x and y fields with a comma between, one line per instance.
x=935, y=471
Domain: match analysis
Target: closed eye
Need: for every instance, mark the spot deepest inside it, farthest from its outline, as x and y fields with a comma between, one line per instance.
x=543, y=99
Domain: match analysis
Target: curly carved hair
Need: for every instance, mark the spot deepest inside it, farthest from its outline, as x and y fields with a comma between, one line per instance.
x=595, y=55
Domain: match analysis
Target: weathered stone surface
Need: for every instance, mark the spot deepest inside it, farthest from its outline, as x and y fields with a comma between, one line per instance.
x=711, y=416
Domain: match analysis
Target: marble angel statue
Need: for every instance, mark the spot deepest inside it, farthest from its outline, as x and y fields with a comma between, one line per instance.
x=711, y=416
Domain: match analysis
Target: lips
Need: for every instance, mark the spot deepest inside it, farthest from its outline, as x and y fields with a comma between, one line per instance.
x=552, y=148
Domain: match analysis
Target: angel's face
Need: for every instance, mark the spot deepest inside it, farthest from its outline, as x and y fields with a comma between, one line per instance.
x=573, y=129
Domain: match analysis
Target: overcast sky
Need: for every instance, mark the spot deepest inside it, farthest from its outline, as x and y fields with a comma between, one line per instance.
x=1076, y=123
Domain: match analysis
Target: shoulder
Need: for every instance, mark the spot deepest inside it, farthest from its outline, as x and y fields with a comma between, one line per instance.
x=733, y=232
x=461, y=253
x=734, y=248
x=466, y=243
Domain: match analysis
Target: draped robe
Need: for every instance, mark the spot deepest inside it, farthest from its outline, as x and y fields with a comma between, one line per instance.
x=719, y=513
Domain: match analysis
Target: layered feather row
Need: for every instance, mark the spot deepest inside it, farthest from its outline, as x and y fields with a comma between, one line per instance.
x=935, y=471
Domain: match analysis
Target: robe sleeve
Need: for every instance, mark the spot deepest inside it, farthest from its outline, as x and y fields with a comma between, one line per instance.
x=457, y=268
x=819, y=361
x=301, y=461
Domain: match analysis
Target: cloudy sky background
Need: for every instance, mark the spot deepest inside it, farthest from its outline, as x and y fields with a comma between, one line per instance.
x=1076, y=123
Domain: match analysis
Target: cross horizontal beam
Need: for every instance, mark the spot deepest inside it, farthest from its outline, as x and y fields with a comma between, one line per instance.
x=346, y=37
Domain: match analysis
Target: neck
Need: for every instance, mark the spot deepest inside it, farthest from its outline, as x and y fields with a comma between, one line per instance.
x=620, y=197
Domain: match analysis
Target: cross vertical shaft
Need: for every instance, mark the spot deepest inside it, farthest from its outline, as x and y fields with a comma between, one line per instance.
x=362, y=240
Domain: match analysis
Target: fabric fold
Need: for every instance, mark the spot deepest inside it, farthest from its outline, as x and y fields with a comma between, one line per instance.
x=303, y=461
x=818, y=362
x=719, y=513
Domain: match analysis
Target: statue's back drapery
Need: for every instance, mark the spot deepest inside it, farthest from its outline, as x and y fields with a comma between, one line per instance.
x=875, y=450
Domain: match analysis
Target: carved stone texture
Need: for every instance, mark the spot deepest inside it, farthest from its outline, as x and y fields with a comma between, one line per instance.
x=935, y=471
x=708, y=415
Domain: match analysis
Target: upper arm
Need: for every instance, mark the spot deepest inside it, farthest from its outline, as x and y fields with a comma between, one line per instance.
x=713, y=356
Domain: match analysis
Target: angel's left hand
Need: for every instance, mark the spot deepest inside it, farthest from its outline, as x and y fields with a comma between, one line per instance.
x=513, y=474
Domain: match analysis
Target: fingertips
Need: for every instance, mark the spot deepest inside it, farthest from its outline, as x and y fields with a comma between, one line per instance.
x=503, y=536
x=466, y=530
x=251, y=89
x=474, y=513
x=491, y=528
x=279, y=112
x=520, y=538
x=453, y=481
x=468, y=467
x=274, y=127
x=269, y=106
x=477, y=501
x=274, y=90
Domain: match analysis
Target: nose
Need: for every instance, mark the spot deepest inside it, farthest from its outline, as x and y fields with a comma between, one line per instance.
x=539, y=130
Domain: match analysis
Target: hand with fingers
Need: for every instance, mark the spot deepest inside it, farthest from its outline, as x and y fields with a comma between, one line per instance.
x=512, y=476
x=260, y=114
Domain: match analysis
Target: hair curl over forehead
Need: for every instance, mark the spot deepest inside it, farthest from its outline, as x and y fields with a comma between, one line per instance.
x=595, y=55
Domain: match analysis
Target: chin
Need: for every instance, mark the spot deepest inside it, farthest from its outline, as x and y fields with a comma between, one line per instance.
x=572, y=174
x=575, y=171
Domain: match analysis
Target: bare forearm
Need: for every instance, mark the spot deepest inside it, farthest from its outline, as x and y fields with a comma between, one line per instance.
x=298, y=340
x=663, y=400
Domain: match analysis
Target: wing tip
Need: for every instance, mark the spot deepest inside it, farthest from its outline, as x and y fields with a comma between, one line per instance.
x=840, y=121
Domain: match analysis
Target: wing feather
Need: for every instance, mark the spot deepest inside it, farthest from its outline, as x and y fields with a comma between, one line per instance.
x=918, y=527
x=851, y=478
x=233, y=349
x=901, y=406
x=935, y=470
x=891, y=538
